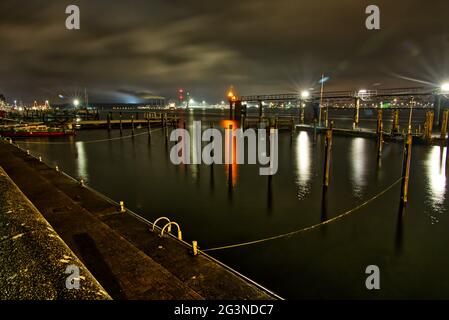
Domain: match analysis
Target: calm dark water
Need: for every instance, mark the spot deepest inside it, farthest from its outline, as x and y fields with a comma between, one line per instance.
x=216, y=207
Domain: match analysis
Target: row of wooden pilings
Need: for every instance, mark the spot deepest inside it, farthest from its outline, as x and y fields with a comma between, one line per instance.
x=405, y=166
x=163, y=118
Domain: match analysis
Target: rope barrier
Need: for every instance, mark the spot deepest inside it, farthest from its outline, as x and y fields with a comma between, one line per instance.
x=289, y=234
x=89, y=141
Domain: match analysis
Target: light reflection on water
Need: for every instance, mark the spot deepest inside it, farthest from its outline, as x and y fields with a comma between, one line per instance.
x=303, y=164
x=358, y=163
x=436, y=176
x=82, y=168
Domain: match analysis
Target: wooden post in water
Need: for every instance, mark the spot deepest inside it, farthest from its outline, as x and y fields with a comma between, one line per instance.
x=327, y=158
x=379, y=121
x=357, y=113
x=395, y=128
x=121, y=125
x=162, y=120
x=149, y=129
x=380, y=140
x=444, y=122
x=109, y=121
x=260, y=110
x=302, y=114
x=406, y=168
x=293, y=125
x=428, y=126
x=132, y=125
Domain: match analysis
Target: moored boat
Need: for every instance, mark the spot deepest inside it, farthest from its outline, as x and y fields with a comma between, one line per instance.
x=26, y=131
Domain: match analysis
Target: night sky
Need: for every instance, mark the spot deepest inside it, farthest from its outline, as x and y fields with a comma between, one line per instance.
x=131, y=49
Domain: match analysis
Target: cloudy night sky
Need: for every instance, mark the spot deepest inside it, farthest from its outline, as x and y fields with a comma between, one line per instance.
x=129, y=49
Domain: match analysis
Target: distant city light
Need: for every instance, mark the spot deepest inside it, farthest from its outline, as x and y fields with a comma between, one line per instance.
x=76, y=102
x=191, y=101
x=362, y=91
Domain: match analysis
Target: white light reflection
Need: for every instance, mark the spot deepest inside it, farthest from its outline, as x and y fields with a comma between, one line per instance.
x=81, y=161
x=303, y=164
x=358, y=166
x=436, y=172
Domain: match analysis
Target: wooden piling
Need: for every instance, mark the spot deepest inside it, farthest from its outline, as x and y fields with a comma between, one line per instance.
x=395, y=128
x=444, y=122
x=302, y=114
x=357, y=113
x=379, y=121
x=380, y=140
x=121, y=124
x=132, y=125
x=327, y=158
x=428, y=126
x=109, y=121
x=406, y=168
x=292, y=128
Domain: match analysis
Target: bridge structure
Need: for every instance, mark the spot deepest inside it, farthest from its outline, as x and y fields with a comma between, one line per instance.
x=425, y=98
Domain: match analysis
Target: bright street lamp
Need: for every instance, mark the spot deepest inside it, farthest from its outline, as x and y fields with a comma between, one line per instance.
x=76, y=102
x=305, y=94
x=445, y=87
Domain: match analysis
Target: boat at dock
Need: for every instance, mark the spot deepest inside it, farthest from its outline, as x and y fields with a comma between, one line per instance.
x=26, y=131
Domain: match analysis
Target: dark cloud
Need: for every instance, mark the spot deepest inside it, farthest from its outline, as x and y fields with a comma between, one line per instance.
x=155, y=47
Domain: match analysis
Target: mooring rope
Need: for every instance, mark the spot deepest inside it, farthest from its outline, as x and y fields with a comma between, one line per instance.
x=292, y=233
x=89, y=141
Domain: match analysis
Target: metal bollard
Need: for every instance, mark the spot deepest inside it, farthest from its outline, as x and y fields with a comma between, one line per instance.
x=57, y=169
x=82, y=182
x=122, y=207
x=28, y=152
x=195, y=248
x=40, y=159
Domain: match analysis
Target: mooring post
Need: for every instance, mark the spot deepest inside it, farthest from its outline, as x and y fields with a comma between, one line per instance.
x=260, y=110
x=314, y=130
x=109, y=121
x=122, y=207
x=406, y=168
x=302, y=113
x=327, y=158
x=293, y=125
x=428, y=126
x=380, y=140
x=357, y=113
x=230, y=109
x=121, y=125
x=162, y=120
x=395, y=128
x=195, y=248
x=444, y=122
x=379, y=121
x=132, y=125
